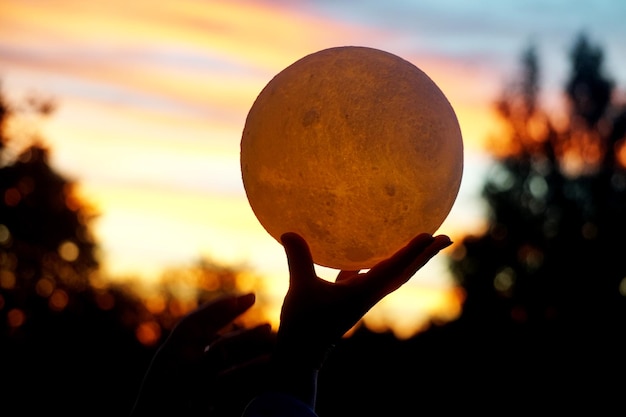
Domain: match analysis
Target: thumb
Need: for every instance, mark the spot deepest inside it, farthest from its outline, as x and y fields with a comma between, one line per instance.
x=299, y=259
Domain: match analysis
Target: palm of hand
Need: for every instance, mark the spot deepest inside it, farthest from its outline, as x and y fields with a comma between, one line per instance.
x=316, y=313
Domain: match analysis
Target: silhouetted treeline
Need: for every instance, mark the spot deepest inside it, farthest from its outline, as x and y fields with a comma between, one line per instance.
x=72, y=342
x=63, y=336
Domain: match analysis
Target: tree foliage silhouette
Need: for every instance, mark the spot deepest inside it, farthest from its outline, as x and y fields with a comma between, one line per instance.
x=65, y=330
x=56, y=315
x=46, y=246
x=547, y=279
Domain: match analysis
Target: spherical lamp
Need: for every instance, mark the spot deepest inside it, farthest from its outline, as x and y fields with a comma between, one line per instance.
x=355, y=149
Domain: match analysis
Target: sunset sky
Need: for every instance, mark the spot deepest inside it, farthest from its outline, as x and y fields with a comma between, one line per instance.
x=152, y=98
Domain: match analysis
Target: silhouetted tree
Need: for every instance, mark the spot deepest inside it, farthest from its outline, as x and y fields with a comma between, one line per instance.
x=73, y=342
x=63, y=330
x=546, y=282
x=588, y=89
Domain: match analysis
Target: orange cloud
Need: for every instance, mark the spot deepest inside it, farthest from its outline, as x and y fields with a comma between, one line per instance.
x=243, y=31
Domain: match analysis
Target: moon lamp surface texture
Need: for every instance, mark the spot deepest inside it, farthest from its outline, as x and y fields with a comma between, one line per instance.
x=355, y=149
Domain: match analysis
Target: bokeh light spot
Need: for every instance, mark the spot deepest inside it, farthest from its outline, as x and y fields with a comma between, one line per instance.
x=155, y=304
x=58, y=300
x=69, y=251
x=530, y=256
x=44, y=287
x=538, y=186
x=148, y=333
x=12, y=197
x=15, y=317
x=618, y=181
x=5, y=235
x=7, y=279
x=72, y=201
x=97, y=281
x=589, y=231
x=105, y=300
x=620, y=152
x=504, y=280
x=179, y=308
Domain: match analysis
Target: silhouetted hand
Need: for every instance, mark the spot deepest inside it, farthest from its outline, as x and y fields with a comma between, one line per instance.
x=198, y=371
x=316, y=313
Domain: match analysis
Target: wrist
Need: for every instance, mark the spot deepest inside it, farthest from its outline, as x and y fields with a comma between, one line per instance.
x=295, y=380
x=295, y=364
x=299, y=350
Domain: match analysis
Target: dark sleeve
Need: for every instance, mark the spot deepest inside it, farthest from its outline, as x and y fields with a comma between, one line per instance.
x=274, y=404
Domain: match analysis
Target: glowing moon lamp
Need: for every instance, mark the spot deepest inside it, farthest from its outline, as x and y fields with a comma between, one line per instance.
x=355, y=149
